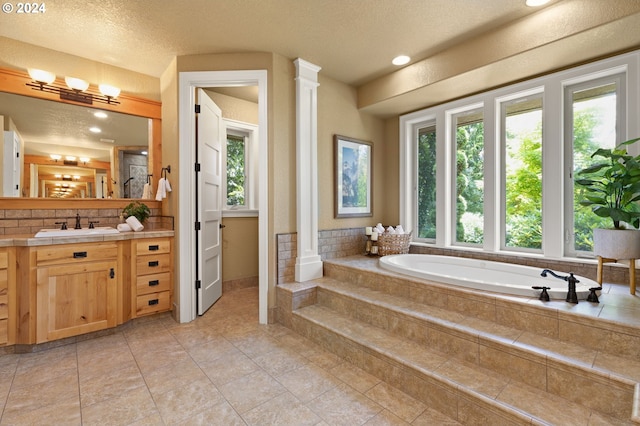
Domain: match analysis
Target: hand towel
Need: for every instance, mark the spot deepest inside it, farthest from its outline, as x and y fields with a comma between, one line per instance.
x=390, y=230
x=167, y=185
x=399, y=230
x=134, y=223
x=123, y=227
x=146, y=190
x=162, y=190
x=380, y=228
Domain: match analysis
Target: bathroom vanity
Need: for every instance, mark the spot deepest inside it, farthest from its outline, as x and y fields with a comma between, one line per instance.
x=70, y=286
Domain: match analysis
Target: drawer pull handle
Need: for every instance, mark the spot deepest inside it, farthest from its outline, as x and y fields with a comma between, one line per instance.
x=154, y=263
x=79, y=254
x=154, y=247
x=153, y=302
x=112, y=273
x=154, y=283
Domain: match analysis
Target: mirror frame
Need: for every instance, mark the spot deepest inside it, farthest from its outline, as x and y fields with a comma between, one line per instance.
x=15, y=81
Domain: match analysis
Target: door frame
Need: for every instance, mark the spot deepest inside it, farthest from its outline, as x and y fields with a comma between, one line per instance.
x=188, y=82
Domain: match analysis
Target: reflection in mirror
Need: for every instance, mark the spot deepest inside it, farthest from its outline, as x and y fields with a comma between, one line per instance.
x=53, y=149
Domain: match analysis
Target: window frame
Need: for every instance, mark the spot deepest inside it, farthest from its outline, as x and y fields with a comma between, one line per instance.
x=553, y=155
x=570, y=87
x=501, y=105
x=249, y=132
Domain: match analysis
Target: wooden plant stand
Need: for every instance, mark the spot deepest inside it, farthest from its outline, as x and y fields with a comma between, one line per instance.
x=632, y=272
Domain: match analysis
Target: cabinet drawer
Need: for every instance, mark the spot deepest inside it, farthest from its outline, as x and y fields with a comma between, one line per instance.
x=153, y=264
x=151, y=246
x=153, y=283
x=153, y=302
x=4, y=260
x=72, y=253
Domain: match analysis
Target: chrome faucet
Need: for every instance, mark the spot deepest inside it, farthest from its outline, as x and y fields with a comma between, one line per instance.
x=572, y=296
x=78, y=221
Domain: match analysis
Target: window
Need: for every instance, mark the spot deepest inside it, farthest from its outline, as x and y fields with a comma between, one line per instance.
x=592, y=111
x=426, y=150
x=494, y=171
x=236, y=170
x=241, y=155
x=469, y=172
x=522, y=173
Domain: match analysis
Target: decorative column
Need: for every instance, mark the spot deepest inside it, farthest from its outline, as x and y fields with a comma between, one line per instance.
x=308, y=263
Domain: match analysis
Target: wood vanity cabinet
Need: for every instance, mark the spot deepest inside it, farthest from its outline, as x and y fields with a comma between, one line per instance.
x=152, y=268
x=7, y=292
x=76, y=289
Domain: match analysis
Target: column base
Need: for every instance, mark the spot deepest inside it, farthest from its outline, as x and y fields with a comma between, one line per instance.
x=308, y=268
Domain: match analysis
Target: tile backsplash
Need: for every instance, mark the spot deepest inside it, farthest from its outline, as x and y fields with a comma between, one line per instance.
x=30, y=221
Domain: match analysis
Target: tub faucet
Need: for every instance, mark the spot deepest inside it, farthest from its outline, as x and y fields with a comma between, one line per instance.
x=572, y=296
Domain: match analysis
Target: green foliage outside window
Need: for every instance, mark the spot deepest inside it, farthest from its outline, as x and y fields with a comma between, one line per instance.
x=427, y=184
x=470, y=183
x=235, y=170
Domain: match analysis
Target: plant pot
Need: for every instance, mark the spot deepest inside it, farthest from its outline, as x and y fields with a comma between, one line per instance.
x=616, y=243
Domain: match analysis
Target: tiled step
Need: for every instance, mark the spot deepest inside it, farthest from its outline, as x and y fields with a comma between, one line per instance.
x=564, y=369
x=459, y=389
x=578, y=325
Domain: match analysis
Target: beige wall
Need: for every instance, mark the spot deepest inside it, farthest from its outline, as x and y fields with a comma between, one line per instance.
x=338, y=114
x=234, y=108
x=239, y=248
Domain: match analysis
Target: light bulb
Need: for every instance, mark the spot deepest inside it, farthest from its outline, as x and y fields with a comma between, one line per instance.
x=41, y=76
x=76, y=84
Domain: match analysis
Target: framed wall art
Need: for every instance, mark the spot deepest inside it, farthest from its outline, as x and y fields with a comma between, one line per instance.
x=353, y=177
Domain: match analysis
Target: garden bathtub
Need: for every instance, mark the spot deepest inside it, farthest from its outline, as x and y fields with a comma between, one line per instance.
x=484, y=275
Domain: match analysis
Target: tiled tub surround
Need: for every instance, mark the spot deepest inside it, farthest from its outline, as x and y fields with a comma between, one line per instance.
x=30, y=221
x=479, y=358
x=332, y=244
x=338, y=243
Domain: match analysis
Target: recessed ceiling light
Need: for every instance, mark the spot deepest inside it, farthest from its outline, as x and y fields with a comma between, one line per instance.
x=95, y=129
x=535, y=3
x=100, y=114
x=401, y=60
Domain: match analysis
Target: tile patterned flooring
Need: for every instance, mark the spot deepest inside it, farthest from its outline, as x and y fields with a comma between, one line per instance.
x=222, y=369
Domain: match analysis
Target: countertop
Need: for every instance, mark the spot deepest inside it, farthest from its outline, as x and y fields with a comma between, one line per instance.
x=28, y=240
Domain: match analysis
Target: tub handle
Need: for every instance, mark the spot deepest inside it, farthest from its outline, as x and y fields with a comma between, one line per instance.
x=544, y=296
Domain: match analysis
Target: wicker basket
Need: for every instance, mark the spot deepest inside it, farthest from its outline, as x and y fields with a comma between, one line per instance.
x=393, y=243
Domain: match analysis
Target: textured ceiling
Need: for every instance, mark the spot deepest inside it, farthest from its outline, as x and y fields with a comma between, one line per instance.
x=352, y=40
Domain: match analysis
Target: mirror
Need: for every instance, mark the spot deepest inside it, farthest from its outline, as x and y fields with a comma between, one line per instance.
x=66, y=157
x=113, y=163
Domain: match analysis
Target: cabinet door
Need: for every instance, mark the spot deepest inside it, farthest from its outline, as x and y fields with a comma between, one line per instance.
x=76, y=299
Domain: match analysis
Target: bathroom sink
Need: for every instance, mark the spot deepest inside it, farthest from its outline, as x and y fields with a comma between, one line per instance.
x=101, y=230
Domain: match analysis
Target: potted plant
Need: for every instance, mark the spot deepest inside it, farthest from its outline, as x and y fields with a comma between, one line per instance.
x=612, y=190
x=137, y=209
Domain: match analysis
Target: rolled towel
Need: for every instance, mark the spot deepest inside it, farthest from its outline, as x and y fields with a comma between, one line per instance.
x=380, y=228
x=399, y=230
x=124, y=227
x=134, y=223
x=162, y=190
x=390, y=230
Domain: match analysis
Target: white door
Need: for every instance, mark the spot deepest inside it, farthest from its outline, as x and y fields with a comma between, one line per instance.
x=210, y=134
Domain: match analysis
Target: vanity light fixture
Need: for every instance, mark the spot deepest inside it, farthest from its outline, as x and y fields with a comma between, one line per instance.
x=55, y=157
x=70, y=158
x=84, y=160
x=401, y=60
x=75, y=90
